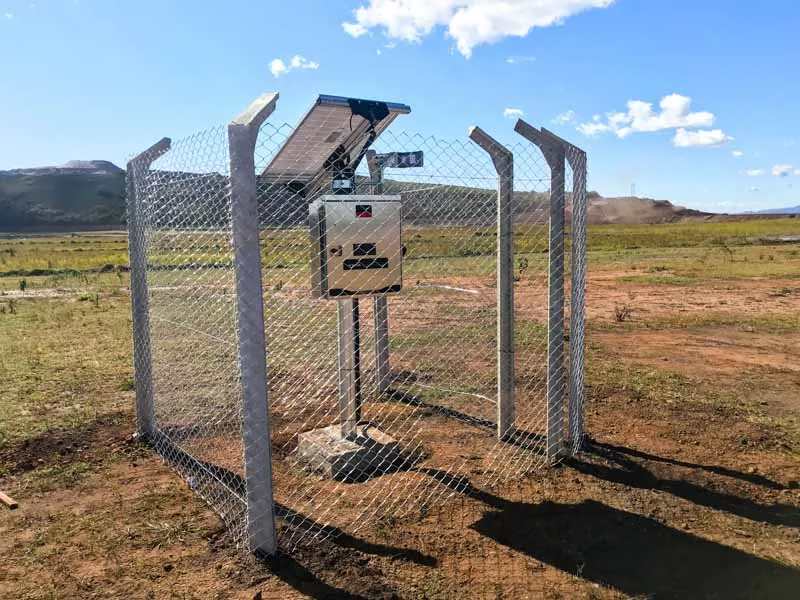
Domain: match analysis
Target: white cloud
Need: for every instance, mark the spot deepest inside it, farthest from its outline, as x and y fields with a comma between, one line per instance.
x=277, y=67
x=513, y=113
x=754, y=172
x=517, y=60
x=354, y=29
x=797, y=171
x=737, y=154
x=9, y=16
x=702, y=137
x=565, y=117
x=298, y=62
x=782, y=170
x=753, y=188
x=594, y=127
x=674, y=113
x=469, y=22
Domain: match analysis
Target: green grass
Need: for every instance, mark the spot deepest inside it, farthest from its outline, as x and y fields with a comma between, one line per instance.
x=687, y=245
x=81, y=252
x=62, y=364
x=689, y=234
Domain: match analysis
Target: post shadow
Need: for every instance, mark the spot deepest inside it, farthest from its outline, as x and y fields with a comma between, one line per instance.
x=618, y=467
x=300, y=578
x=753, y=478
x=634, y=554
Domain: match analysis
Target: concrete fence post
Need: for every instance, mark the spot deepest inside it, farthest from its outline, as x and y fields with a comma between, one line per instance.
x=135, y=182
x=577, y=304
x=503, y=160
x=242, y=135
x=554, y=153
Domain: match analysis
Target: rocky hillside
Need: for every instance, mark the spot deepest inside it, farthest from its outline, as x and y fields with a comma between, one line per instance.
x=77, y=195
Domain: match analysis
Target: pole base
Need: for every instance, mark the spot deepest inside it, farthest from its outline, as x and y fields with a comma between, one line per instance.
x=369, y=453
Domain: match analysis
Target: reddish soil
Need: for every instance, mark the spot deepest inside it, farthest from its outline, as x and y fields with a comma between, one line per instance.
x=688, y=488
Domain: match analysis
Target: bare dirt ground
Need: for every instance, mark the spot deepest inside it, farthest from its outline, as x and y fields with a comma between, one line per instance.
x=689, y=486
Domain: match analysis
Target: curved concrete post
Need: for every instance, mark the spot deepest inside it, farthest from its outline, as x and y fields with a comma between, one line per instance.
x=242, y=135
x=577, y=304
x=503, y=160
x=554, y=154
x=135, y=177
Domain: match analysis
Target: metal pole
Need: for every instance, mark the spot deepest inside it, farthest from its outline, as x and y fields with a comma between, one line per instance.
x=349, y=367
x=552, y=148
x=242, y=135
x=380, y=305
x=140, y=302
x=503, y=161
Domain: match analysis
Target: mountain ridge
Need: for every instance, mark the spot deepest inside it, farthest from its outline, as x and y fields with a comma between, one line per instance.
x=90, y=195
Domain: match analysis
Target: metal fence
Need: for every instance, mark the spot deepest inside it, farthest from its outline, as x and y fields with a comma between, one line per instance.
x=467, y=377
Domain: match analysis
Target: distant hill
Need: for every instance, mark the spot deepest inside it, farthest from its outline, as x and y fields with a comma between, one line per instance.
x=77, y=195
x=788, y=210
x=81, y=195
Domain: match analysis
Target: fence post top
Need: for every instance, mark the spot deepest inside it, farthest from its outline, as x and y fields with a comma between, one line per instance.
x=494, y=148
x=552, y=146
x=147, y=157
x=574, y=154
x=255, y=114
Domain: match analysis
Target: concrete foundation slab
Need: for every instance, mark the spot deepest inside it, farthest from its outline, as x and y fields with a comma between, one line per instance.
x=370, y=452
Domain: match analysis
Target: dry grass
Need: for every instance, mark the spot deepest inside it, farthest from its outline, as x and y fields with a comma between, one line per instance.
x=692, y=491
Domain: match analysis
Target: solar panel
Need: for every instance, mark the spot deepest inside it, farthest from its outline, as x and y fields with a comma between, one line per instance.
x=333, y=127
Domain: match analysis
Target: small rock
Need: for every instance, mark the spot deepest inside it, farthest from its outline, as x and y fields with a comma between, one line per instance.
x=168, y=567
x=793, y=484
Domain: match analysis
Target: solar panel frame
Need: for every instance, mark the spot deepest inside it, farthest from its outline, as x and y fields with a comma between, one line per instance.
x=328, y=124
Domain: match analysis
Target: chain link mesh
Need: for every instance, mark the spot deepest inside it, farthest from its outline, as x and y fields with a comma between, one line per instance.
x=438, y=402
x=184, y=202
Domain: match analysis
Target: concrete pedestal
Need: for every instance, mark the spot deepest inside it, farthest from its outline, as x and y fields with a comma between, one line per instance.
x=368, y=453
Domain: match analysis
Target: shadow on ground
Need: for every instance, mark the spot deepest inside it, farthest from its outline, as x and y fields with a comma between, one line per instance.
x=634, y=554
x=629, y=467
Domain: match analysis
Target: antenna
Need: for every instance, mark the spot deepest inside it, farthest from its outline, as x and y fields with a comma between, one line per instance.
x=633, y=189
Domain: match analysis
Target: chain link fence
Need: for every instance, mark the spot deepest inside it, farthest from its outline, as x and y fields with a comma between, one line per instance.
x=458, y=391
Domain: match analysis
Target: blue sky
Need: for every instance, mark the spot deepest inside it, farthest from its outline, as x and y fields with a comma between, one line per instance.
x=85, y=79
